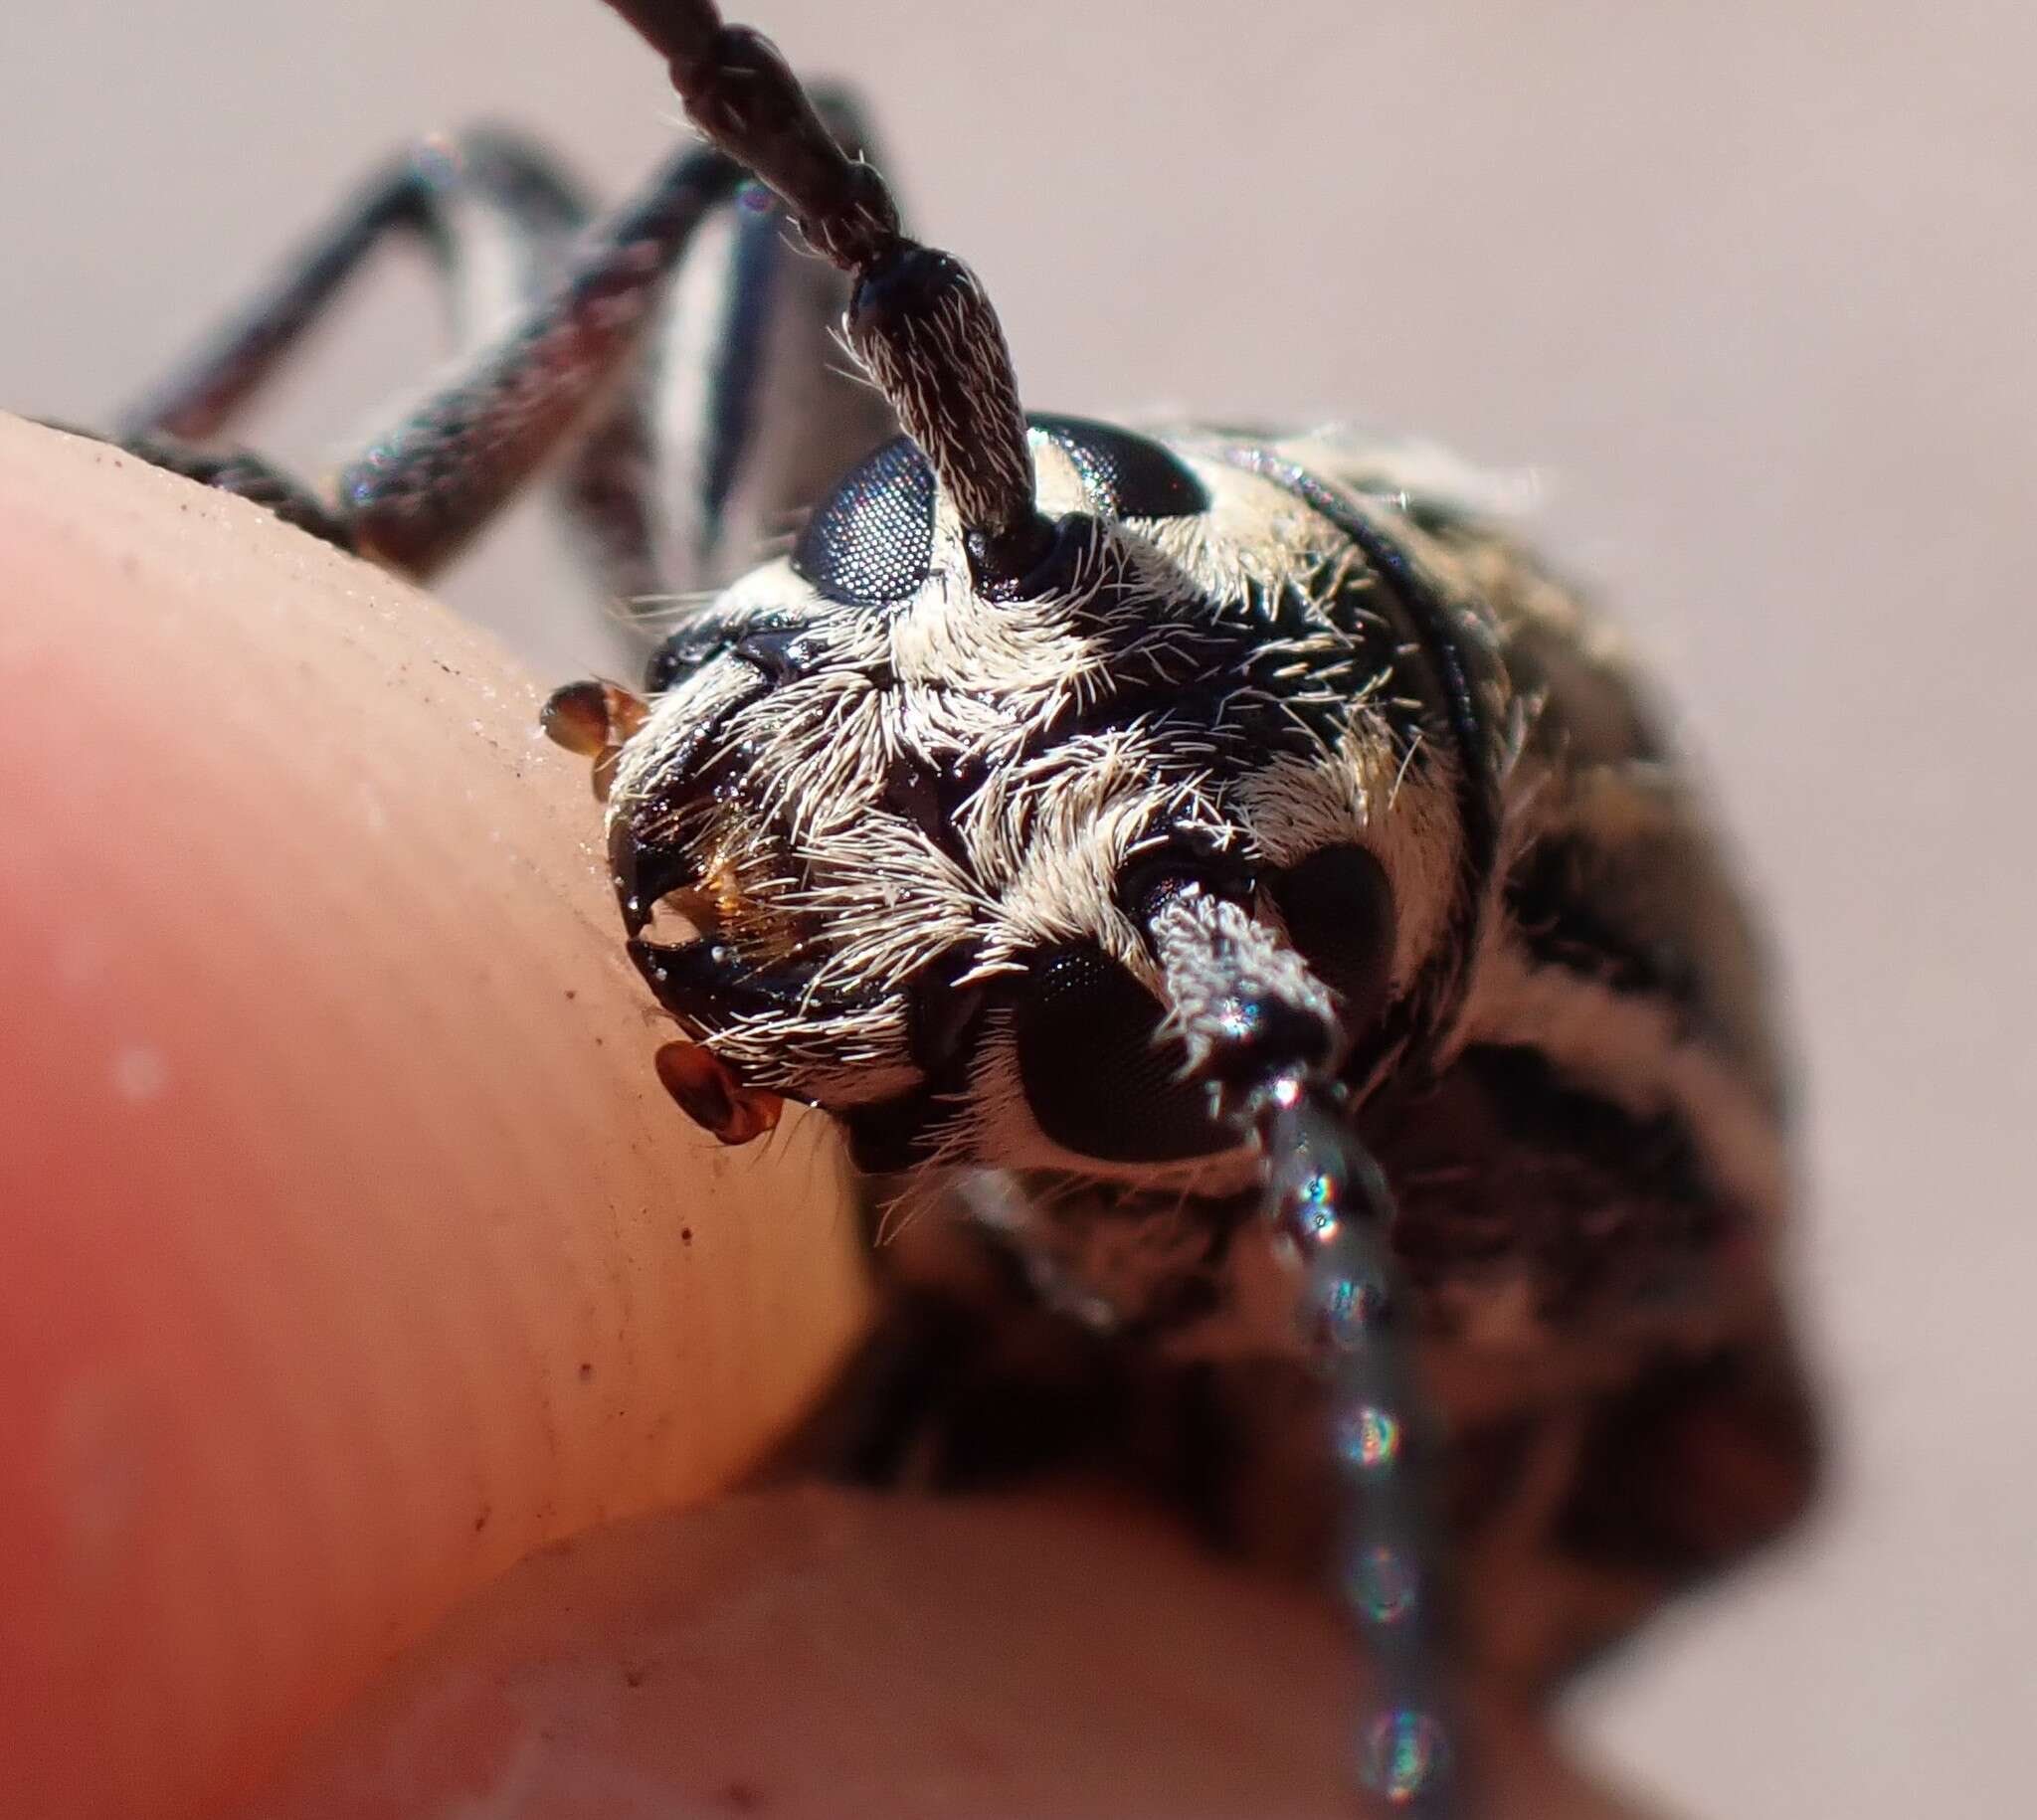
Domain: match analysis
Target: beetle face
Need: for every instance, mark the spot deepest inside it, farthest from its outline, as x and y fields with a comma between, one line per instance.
x=881, y=841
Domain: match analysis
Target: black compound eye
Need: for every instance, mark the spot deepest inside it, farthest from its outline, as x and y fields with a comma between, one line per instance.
x=1339, y=910
x=872, y=538
x=1127, y=476
x=1096, y=1081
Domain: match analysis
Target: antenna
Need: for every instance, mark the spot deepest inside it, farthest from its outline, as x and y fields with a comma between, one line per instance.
x=918, y=318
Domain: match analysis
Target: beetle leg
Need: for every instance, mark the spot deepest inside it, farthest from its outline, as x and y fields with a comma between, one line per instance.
x=680, y=433
x=965, y=1380
x=498, y=216
x=495, y=213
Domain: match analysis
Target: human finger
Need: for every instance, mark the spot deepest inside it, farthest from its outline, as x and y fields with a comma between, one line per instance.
x=349, y=1249
x=823, y=1655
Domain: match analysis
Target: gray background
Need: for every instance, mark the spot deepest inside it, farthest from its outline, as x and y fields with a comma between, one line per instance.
x=1747, y=287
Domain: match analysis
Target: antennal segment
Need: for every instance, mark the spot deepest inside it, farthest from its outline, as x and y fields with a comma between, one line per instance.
x=1263, y=1032
x=918, y=320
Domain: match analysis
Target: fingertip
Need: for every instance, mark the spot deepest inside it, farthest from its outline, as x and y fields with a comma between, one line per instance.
x=351, y=1250
x=825, y=1655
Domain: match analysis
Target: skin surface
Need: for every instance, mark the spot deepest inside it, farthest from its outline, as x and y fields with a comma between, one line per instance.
x=350, y=1254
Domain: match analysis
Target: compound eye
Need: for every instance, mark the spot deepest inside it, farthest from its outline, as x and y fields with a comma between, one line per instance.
x=1097, y=1082
x=1339, y=911
x=1127, y=476
x=872, y=538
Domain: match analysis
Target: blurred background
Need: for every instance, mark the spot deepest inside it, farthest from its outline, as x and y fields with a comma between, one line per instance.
x=1746, y=289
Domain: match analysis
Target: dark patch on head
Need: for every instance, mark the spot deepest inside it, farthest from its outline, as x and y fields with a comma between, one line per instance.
x=1096, y=1080
x=1339, y=910
x=871, y=540
x=931, y=798
x=692, y=644
x=778, y=646
x=781, y=653
x=1127, y=476
x=943, y=1020
x=641, y=872
x=886, y=1137
x=707, y=984
x=1070, y=544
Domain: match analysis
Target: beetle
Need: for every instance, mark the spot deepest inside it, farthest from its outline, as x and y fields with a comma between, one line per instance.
x=1222, y=882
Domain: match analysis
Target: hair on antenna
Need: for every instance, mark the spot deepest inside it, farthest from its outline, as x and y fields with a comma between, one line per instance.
x=918, y=318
